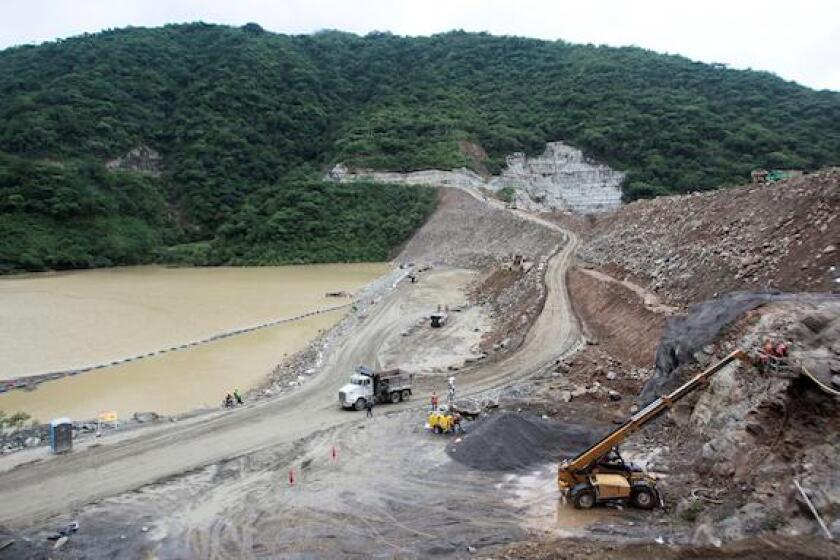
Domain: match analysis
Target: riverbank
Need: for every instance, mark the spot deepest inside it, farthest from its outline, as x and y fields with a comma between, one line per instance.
x=148, y=305
x=283, y=375
x=78, y=319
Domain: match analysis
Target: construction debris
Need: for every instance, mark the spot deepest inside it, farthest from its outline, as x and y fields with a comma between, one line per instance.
x=690, y=248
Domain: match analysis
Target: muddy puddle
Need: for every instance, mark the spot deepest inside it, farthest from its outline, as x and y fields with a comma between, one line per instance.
x=70, y=320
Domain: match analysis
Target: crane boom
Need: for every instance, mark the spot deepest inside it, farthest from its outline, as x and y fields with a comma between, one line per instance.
x=635, y=422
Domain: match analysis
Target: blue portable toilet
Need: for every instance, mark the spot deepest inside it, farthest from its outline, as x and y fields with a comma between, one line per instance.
x=61, y=435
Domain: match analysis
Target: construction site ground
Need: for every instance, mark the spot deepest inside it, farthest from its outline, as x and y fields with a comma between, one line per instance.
x=291, y=475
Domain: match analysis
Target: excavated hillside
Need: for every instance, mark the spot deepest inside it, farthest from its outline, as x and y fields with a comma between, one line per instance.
x=748, y=265
x=689, y=248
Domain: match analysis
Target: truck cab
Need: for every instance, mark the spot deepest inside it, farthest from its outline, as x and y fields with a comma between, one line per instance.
x=355, y=393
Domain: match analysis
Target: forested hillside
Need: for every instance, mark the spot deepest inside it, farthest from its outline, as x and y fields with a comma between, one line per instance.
x=245, y=121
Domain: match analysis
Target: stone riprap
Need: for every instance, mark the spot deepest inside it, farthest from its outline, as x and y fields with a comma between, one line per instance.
x=560, y=179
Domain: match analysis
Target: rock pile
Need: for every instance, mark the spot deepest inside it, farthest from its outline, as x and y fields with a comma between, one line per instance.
x=509, y=441
x=515, y=299
x=689, y=248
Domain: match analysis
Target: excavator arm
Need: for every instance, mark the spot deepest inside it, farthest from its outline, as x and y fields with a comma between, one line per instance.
x=567, y=473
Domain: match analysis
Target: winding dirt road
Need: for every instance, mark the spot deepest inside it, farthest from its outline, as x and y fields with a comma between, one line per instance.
x=30, y=493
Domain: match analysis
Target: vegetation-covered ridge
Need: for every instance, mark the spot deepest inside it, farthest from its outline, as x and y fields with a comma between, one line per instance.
x=244, y=120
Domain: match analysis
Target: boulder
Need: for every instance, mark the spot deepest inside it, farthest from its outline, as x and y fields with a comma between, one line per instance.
x=578, y=391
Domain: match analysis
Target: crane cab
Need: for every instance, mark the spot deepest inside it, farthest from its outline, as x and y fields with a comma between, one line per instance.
x=599, y=474
x=609, y=479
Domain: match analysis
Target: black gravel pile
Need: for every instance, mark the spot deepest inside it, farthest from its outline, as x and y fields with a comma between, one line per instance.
x=509, y=441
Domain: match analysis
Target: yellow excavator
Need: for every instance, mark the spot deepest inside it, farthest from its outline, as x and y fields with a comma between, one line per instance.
x=600, y=475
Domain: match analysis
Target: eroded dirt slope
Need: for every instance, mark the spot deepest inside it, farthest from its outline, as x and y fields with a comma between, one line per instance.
x=616, y=317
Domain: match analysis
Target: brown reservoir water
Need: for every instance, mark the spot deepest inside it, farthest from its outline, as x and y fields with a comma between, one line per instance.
x=76, y=319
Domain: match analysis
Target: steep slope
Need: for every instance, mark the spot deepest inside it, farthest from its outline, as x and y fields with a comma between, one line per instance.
x=689, y=248
x=237, y=114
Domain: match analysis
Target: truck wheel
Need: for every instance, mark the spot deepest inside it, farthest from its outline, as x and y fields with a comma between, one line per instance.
x=584, y=498
x=360, y=404
x=643, y=497
x=406, y=394
x=395, y=397
x=438, y=430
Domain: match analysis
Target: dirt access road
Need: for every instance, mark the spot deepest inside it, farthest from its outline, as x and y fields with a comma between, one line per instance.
x=55, y=485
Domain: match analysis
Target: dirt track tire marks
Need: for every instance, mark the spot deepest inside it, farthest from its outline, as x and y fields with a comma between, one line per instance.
x=60, y=484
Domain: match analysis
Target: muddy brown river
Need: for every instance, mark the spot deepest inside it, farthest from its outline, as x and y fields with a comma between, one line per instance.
x=76, y=319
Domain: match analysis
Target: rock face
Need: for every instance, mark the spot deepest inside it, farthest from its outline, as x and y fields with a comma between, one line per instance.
x=751, y=432
x=685, y=335
x=461, y=177
x=142, y=159
x=560, y=179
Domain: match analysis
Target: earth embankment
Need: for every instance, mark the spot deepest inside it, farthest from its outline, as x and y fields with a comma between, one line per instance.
x=755, y=237
x=465, y=231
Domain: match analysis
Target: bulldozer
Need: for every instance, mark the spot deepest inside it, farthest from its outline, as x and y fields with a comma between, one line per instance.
x=599, y=474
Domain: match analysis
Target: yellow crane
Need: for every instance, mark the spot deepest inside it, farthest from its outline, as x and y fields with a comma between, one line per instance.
x=599, y=474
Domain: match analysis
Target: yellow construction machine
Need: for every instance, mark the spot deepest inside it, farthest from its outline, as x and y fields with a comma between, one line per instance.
x=443, y=420
x=600, y=475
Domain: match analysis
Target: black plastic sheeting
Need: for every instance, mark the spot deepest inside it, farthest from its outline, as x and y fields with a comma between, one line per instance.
x=684, y=335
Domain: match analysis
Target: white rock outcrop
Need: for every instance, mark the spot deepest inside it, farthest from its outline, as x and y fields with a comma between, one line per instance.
x=142, y=159
x=560, y=179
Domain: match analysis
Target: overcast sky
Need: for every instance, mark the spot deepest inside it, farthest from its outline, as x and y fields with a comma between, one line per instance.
x=797, y=40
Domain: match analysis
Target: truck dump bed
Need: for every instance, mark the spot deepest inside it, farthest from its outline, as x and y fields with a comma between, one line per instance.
x=396, y=378
x=388, y=373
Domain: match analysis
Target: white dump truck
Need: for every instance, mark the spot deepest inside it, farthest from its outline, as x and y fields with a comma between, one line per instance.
x=393, y=385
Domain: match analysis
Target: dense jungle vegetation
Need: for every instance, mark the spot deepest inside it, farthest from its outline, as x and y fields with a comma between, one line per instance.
x=246, y=122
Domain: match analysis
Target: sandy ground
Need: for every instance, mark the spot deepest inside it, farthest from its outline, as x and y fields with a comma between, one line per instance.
x=375, y=499
x=56, y=485
x=416, y=347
